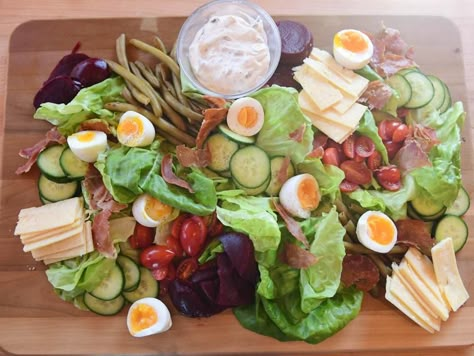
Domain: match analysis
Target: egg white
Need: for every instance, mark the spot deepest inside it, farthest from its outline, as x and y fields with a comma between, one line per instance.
x=353, y=60
x=162, y=324
x=233, y=116
x=364, y=234
x=140, y=215
x=89, y=150
x=142, y=139
x=289, y=196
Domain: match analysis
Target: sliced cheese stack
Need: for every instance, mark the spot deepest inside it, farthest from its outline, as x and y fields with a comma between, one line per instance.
x=418, y=288
x=56, y=231
x=329, y=95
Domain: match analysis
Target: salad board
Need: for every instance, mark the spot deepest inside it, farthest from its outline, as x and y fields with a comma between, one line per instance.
x=35, y=320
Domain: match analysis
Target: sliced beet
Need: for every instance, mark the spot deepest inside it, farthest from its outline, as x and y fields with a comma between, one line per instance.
x=59, y=90
x=240, y=251
x=205, y=274
x=228, y=290
x=66, y=64
x=296, y=42
x=90, y=71
x=210, y=289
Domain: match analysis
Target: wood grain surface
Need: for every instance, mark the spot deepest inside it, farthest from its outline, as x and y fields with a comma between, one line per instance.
x=34, y=321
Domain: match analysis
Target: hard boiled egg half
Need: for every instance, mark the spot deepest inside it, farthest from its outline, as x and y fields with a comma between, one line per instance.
x=135, y=130
x=352, y=49
x=300, y=195
x=376, y=231
x=87, y=145
x=150, y=212
x=245, y=116
x=148, y=316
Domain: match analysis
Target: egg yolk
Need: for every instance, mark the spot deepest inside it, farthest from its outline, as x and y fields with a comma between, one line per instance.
x=86, y=136
x=142, y=317
x=381, y=230
x=131, y=127
x=351, y=40
x=247, y=117
x=156, y=210
x=308, y=194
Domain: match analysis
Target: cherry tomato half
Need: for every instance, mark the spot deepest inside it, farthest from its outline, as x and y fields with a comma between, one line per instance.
x=374, y=161
x=193, y=235
x=348, y=147
x=320, y=140
x=389, y=177
x=364, y=146
x=142, y=236
x=387, y=127
x=348, y=187
x=160, y=273
x=186, y=268
x=176, y=225
x=356, y=172
x=214, y=226
x=400, y=133
x=156, y=256
x=174, y=245
x=171, y=275
x=392, y=148
x=331, y=156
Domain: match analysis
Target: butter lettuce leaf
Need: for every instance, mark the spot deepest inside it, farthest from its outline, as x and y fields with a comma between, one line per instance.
x=88, y=104
x=282, y=117
x=367, y=127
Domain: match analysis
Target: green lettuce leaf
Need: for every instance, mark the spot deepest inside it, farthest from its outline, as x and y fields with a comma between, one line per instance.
x=367, y=127
x=283, y=116
x=88, y=104
x=211, y=251
x=252, y=216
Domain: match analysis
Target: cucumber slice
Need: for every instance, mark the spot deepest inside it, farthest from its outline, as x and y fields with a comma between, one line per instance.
x=439, y=92
x=275, y=166
x=235, y=136
x=461, y=204
x=250, y=167
x=427, y=209
x=148, y=287
x=447, y=100
x=44, y=200
x=454, y=227
x=254, y=191
x=412, y=213
x=407, y=70
x=422, y=90
x=72, y=165
x=221, y=149
x=129, y=251
x=48, y=163
x=111, y=286
x=104, y=307
x=403, y=88
x=53, y=191
x=131, y=273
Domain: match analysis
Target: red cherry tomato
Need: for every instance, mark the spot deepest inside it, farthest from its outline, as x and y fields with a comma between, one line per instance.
x=364, y=146
x=402, y=112
x=348, y=187
x=331, y=156
x=320, y=140
x=174, y=245
x=193, y=234
x=358, y=158
x=171, y=275
x=156, y=256
x=186, y=268
x=348, y=147
x=374, y=161
x=392, y=148
x=386, y=128
x=356, y=172
x=160, y=273
x=389, y=177
x=176, y=225
x=400, y=133
x=142, y=236
x=214, y=226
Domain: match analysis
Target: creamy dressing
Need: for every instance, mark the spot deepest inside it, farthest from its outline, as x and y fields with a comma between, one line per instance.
x=230, y=54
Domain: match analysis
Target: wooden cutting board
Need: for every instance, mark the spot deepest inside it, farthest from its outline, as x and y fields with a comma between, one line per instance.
x=34, y=320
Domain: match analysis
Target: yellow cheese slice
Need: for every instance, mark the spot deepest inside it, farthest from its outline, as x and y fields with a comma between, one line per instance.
x=409, y=307
x=422, y=266
x=74, y=241
x=447, y=274
x=354, y=89
x=89, y=240
x=344, y=104
x=28, y=238
x=396, y=274
x=350, y=118
x=334, y=131
x=325, y=57
x=50, y=216
x=50, y=240
x=437, y=307
x=323, y=93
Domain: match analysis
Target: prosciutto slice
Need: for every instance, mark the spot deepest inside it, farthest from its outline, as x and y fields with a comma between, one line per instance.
x=189, y=157
x=411, y=156
x=425, y=136
x=292, y=225
x=282, y=174
x=414, y=233
x=297, y=257
x=359, y=270
x=95, y=125
x=215, y=101
x=376, y=95
x=32, y=153
x=169, y=176
x=100, y=234
x=298, y=134
x=212, y=118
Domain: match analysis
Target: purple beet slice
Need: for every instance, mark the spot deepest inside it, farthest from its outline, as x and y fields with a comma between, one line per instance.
x=90, y=71
x=283, y=77
x=66, y=65
x=296, y=42
x=58, y=90
x=239, y=249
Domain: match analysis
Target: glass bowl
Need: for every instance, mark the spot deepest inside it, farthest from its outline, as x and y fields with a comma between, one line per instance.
x=219, y=8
